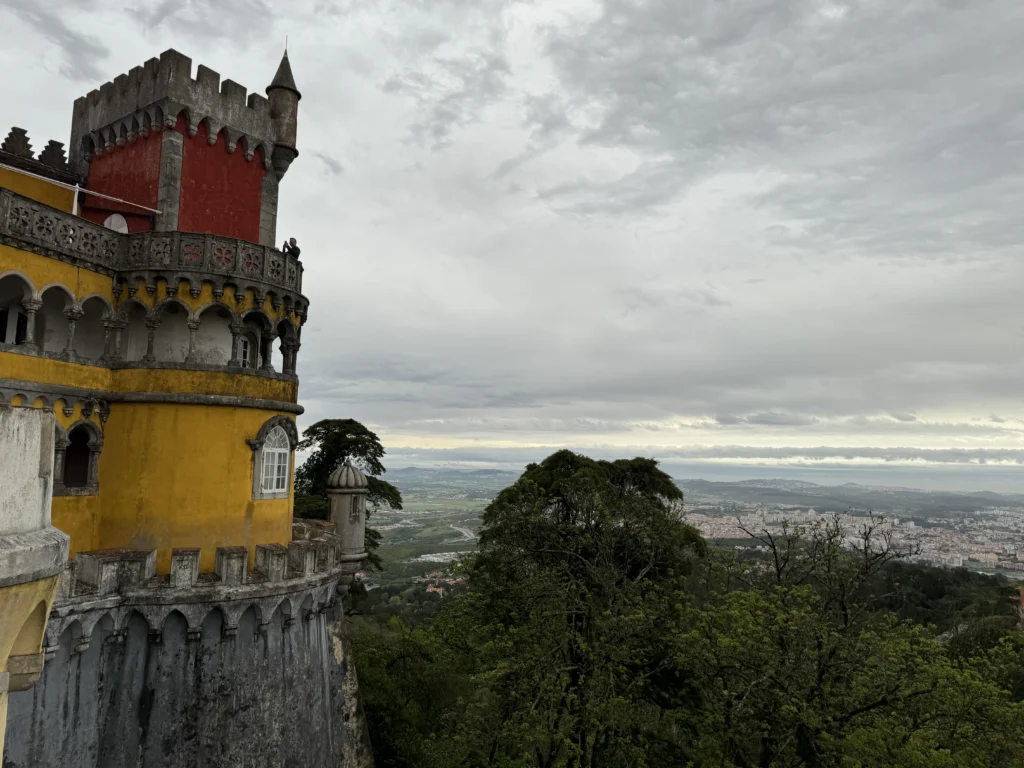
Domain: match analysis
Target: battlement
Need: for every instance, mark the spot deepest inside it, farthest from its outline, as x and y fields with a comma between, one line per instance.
x=151, y=97
x=304, y=576
x=316, y=552
x=16, y=151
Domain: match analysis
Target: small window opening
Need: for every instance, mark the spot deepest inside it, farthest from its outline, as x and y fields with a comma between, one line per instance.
x=76, y=459
x=13, y=326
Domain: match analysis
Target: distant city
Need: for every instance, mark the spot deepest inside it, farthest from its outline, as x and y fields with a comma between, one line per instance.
x=980, y=531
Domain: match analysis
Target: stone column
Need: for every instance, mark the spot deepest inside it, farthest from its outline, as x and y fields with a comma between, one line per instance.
x=73, y=314
x=286, y=356
x=117, y=326
x=31, y=306
x=151, y=325
x=60, y=446
x=291, y=357
x=236, y=344
x=169, y=182
x=193, y=329
x=94, y=463
x=106, y=341
x=267, y=349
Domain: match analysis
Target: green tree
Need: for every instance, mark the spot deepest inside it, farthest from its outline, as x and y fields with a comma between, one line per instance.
x=597, y=630
x=798, y=661
x=333, y=442
x=563, y=611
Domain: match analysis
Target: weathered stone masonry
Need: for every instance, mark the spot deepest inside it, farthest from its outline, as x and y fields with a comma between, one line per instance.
x=234, y=667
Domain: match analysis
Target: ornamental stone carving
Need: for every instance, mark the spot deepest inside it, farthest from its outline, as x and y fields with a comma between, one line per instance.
x=262, y=269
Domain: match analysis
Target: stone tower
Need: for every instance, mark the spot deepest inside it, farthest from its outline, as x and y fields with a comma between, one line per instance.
x=142, y=303
x=196, y=150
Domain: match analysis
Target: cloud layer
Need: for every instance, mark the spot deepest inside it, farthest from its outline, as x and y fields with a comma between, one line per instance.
x=744, y=226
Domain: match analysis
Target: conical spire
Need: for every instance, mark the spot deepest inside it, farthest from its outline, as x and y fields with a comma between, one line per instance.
x=284, y=78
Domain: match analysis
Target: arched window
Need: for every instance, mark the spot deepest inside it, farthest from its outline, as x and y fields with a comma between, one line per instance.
x=76, y=459
x=272, y=458
x=276, y=458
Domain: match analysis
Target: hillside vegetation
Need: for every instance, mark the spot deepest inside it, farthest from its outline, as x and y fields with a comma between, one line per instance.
x=596, y=628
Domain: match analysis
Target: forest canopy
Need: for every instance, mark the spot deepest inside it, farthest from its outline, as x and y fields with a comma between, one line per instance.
x=595, y=627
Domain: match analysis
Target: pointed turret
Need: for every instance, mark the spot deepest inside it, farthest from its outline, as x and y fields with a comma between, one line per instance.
x=284, y=111
x=284, y=78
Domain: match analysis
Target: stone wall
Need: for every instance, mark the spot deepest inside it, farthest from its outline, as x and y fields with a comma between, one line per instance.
x=26, y=455
x=229, y=668
x=280, y=693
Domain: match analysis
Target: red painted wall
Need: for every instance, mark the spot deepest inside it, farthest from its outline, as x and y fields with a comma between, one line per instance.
x=131, y=173
x=220, y=192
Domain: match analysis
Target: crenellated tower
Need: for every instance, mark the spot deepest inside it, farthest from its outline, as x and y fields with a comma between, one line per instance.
x=199, y=154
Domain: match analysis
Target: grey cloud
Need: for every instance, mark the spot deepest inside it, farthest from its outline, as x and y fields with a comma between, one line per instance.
x=507, y=456
x=887, y=133
x=455, y=95
x=772, y=419
x=905, y=417
x=81, y=52
x=332, y=166
x=652, y=221
x=234, y=20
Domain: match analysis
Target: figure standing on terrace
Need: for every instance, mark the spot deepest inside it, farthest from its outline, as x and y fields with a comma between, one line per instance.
x=291, y=248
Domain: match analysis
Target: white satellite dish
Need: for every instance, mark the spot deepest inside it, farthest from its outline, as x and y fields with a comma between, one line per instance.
x=116, y=222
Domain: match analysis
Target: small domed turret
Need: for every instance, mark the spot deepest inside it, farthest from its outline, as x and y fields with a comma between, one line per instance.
x=347, y=478
x=347, y=490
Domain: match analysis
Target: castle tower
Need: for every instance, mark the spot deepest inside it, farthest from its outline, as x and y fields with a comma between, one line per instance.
x=142, y=303
x=198, y=151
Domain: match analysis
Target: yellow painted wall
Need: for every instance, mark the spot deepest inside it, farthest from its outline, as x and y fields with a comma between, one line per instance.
x=22, y=626
x=37, y=189
x=191, y=476
x=46, y=371
x=79, y=518
x=43, y=271
x=170, y=475
x=17, y=604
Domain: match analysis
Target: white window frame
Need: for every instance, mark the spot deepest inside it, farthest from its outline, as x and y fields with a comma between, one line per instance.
x=272, y=465
x=245, y=353
x=276, y=462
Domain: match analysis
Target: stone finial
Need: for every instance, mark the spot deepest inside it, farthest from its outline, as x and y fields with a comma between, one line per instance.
x=17, y=143
x=53, y=155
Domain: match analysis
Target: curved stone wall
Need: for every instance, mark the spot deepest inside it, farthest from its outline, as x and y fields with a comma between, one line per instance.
x=276, y=692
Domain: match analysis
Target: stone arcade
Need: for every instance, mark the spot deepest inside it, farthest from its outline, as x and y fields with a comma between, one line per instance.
x=146, y=315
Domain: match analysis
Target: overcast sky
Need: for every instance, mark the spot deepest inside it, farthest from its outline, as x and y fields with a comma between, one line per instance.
x=783, y=234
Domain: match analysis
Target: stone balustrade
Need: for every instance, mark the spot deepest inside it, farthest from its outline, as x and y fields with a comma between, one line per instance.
x=151, y=257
